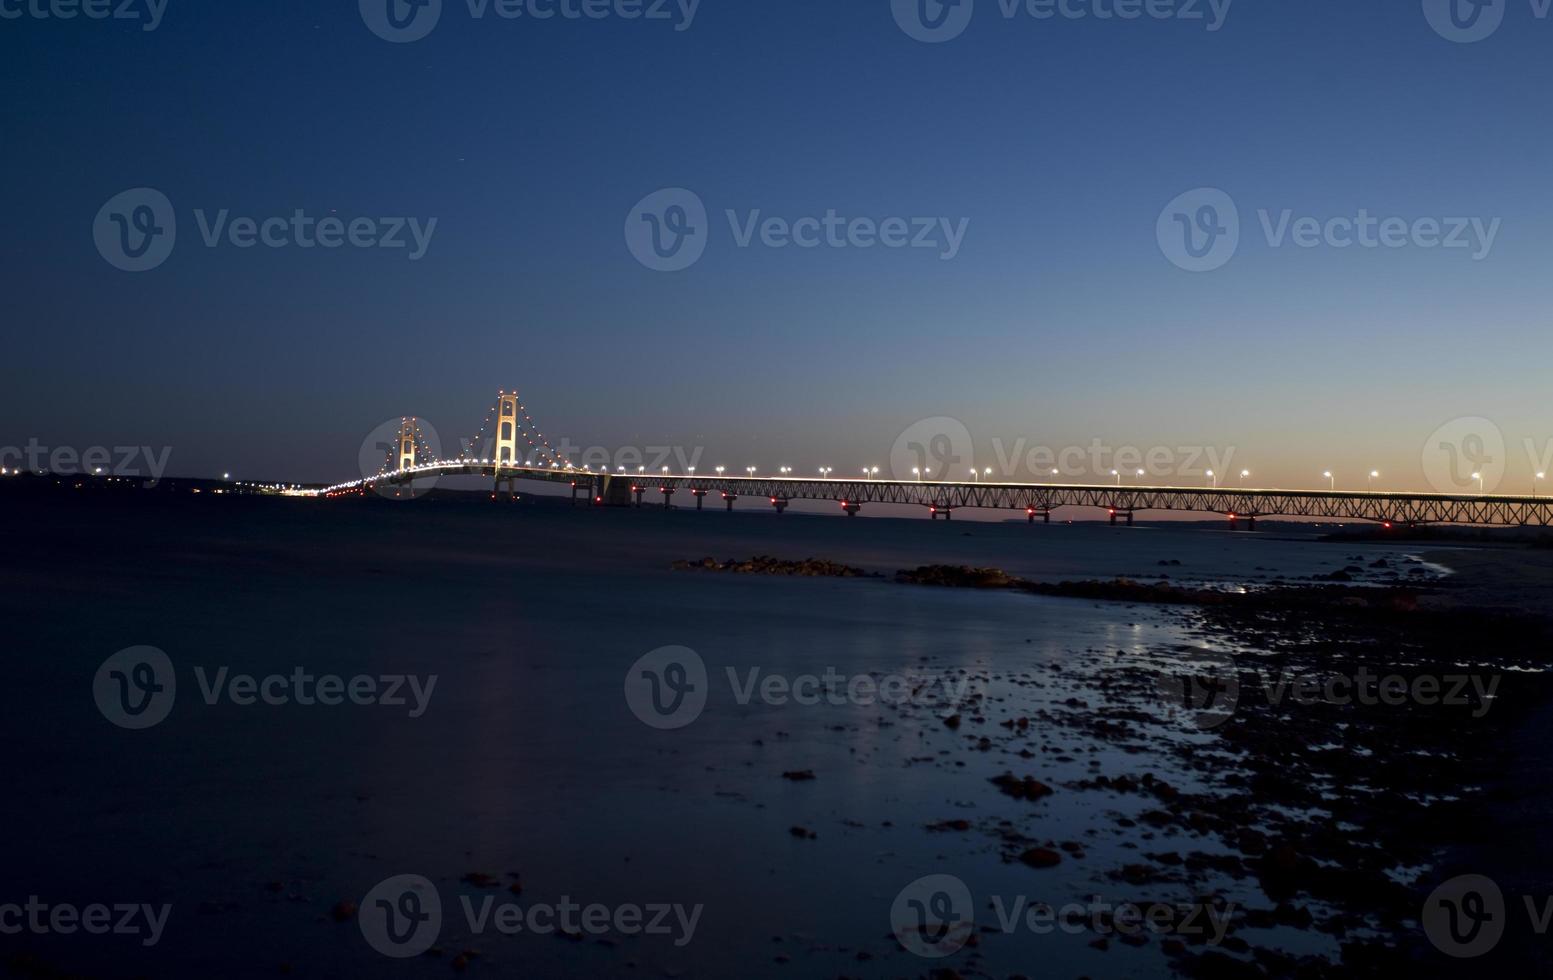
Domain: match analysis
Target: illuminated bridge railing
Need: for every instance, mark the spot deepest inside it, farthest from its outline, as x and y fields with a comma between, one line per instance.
x=1043, y=499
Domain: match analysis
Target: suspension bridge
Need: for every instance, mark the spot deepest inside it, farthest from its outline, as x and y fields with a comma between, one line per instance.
x=510, y=448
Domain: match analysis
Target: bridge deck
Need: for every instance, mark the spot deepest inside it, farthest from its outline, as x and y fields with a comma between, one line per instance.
x=1036, y=498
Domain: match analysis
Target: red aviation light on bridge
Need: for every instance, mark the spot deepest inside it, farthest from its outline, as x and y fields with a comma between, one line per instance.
x=1386, y=525
x=1232, y=516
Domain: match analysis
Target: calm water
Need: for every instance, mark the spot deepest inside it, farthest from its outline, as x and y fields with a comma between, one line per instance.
x=254, y=821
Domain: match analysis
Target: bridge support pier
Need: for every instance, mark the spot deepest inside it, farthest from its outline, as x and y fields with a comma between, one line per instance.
x=851, y=508
x=614, y=492
x=935, y=510
x=729, y=498
x=512, y=486
x=700, y=496
x=1127, y=515
x=639, y=491
x=1044, y=515
x=780, y=503
x=668, y=497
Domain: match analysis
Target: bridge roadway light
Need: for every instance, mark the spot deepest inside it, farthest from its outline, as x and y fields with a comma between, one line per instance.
x=1534, y=479
x=1374, y=475
x=1215, y=478
x=750, y=470
x=720, y=470
x=1478, y=477
x=916, y=471
x=1243, y=475
x=1331, y=480
x=1118, y=477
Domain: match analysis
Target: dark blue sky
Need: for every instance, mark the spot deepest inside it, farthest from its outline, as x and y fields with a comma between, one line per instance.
x=1057, y=142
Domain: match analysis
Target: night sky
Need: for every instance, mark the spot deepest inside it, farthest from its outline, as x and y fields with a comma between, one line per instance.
x=1054, y=143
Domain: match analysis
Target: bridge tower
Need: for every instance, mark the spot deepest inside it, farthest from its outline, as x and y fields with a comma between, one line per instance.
x=506, y=451
x=404, y=453
x=507, y=427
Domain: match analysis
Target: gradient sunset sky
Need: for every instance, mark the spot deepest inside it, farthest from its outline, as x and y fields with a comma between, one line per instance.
x=1056, y=142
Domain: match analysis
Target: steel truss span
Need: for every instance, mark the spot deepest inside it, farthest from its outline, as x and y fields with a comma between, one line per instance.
x=1033, y=499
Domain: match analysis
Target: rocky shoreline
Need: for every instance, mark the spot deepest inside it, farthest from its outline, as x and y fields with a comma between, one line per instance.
x=1337, y=809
